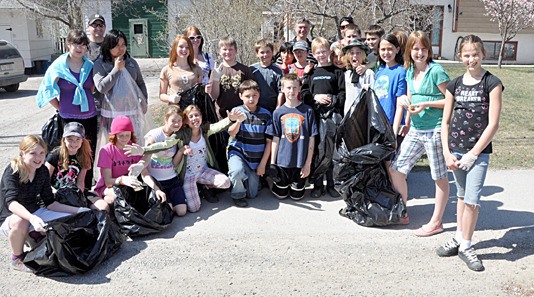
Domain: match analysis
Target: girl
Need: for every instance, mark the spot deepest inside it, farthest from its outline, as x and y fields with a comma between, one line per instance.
x=24, y=187
x=115, y=165
x=470, y=120
x=181, y=73
x=426, y=98
x=284, y=58
x=337, y=56
x=68, y=164
x=108, y=68
x=355, y=55
x=161, y=166
x=68, y=85
x=202, y=59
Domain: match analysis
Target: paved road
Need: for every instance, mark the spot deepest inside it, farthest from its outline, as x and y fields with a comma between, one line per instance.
x=285, y=248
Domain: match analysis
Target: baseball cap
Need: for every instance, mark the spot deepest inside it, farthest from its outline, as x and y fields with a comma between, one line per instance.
x=347, y=19
x=300, y=45
x=74, y=129
x=357, y=43
x=96, y=17
x=121, y=124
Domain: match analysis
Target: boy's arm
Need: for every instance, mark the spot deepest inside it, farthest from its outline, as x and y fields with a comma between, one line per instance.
x=274, y=149
x=305, y=172
x=265, y=159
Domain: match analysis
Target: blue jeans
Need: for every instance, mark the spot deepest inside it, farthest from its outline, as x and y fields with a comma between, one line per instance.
x=245, y=181
x=469, y=183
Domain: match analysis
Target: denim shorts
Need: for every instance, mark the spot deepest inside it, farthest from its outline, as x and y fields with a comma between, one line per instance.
x=469, y=183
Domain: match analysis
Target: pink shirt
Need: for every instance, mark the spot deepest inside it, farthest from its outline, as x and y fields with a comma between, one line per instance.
x=111, y=156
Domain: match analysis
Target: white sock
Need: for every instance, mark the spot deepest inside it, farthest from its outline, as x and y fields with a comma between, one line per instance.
x=465, y=244
x=458, y=236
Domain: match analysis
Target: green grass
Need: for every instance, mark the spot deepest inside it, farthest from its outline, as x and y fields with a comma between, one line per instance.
x=513, y=146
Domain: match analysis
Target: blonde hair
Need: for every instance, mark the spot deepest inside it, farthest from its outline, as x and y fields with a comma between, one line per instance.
x=28, y=143
x=347, y=58
x=189, y=109
x=171, y=110
x=319, y=42
x=83, y=155
x=228, y=41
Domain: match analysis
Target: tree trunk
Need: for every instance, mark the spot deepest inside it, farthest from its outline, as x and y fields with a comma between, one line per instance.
x=501, y=52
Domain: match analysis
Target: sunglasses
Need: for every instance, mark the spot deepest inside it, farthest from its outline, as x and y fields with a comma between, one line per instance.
x=197, y=37
x=98, y=25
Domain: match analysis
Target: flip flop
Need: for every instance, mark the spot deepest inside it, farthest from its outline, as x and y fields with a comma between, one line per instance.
x=424, y=233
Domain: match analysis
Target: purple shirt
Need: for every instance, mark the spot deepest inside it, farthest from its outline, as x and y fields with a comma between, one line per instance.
x=66, y=108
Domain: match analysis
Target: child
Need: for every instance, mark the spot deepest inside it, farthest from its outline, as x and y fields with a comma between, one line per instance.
x=227, y=76
x=293, y=130
x=300, y=51
x=68, y=163
x=355, y=55
x=350, y=32
x=267, y=76
x=426, y=98
x=337, y=57
x=373, y=34
x=470, y=120
x=161, y=165
x=25, y=186
x=390, y=82
x=324, y=89
x=248, y=149
x=285, y=57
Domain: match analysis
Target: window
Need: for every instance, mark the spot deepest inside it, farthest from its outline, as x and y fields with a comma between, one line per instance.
x=493, y=48
x=39, y=27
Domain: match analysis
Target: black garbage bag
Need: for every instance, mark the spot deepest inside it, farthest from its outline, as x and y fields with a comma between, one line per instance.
x=75, y=244
x=328, y=120
x=365, y=141
x=141, y=212
x=52, y=131
x=71, y=195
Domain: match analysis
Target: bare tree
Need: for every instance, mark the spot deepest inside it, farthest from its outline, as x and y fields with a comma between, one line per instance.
x=512, y=17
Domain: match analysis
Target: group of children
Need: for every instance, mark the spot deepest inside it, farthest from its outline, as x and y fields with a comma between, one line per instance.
x=270, y=114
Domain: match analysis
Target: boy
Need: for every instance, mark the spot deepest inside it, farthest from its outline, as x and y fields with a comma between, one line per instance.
x=267, y=75
x=293, y=130
x=248, y=148
x=324, y=89
x=225, y=78
x=349, y=33
x=300, y=51
x=372, y=38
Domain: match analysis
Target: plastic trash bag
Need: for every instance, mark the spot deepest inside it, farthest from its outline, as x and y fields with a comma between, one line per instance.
x=71, y=195
x=141, y=212
x=328, y=119
x=75, y=244
x=52, y=131
x=365, y=141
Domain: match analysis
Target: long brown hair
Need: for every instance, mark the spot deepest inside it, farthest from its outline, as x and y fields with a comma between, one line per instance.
x=194, y=30
x=83, y=155
x=173, y=55
x=17, y=164
x=421, y=37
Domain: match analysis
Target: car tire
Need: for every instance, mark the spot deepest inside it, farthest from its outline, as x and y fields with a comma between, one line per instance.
x=12, y=88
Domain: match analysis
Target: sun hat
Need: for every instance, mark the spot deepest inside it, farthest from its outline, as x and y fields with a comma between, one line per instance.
x=357, y=43
x=74, y=129
x=121, y=124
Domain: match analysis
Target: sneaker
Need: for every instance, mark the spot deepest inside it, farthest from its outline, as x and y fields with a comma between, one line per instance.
x=469, y=256
x=449, y=249
x=316, y=193
x=332, y=192
x=17, y=264
x=405, y=220
x=242, y=202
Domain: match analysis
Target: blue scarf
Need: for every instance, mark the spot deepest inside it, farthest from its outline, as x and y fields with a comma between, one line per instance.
x=49, y=88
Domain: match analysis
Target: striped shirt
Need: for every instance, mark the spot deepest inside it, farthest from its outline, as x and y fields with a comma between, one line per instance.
x=249, y=142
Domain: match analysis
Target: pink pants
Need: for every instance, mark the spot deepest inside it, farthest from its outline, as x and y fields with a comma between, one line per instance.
x=211, y=178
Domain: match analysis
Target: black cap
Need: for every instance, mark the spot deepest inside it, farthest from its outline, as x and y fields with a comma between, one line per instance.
x=96, y=17
x=357, y=43
x=347, y=19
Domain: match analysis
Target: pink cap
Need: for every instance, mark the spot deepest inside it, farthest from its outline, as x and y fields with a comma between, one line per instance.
x=121, y=124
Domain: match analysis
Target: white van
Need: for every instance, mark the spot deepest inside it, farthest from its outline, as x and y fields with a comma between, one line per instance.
x=11, y=67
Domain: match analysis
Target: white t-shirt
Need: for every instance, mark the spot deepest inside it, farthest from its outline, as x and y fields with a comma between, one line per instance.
x=197, y=160
x=161, y=167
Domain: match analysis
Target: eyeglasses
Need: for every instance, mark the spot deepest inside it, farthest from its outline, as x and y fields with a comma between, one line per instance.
x=98, y=25
x=197, y=37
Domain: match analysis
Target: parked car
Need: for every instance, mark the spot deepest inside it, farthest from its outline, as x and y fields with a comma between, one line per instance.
x=11, y=67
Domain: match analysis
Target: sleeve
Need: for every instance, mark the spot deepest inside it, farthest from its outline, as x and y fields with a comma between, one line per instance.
x=247, y=73
x=10, y=186
x=160, y=146
x=441, y=76
x=311, y=120
x=451, y=86
x=267, y=125
x=305, y=93
x=370, y=77
x=139, y=78
x=53, y=158
x=274, y=129
x=104, y=81
x=401, y=86
x=341, y=89
x=46, y=188
x=219, y=126
x=105, y=159
x=491, y=82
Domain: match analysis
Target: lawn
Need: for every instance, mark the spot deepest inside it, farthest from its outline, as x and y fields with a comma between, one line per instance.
x=513, y=146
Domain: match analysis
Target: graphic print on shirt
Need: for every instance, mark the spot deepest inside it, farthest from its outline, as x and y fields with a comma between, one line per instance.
x=164, y=160
x=470, y=116
x=67, y=177
x=292, y=124
x=382, y=87
x=232, y=82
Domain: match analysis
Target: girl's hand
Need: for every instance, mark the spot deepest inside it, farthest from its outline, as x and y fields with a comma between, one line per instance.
x=120, y=63
x=415, y=109
x=37, y=223
x=130, y=181
x=305, y=171
x=452, y=162
x=186, y=150
x=133, y=150
x=236, y=115
x=161, y=195
x=404, y=130
x=361, y=69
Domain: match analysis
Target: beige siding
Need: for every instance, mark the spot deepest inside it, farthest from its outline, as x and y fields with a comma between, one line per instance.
x=471, y=18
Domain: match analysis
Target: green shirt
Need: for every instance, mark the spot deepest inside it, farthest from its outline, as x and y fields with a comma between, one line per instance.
x=429, y=118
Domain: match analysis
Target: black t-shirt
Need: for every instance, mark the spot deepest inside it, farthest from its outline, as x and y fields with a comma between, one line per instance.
x=30, y=195
x=470, y=115
x=324, y=80
x=63, y=177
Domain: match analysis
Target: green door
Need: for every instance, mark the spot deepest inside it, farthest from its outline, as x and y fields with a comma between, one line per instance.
x=139, y=38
